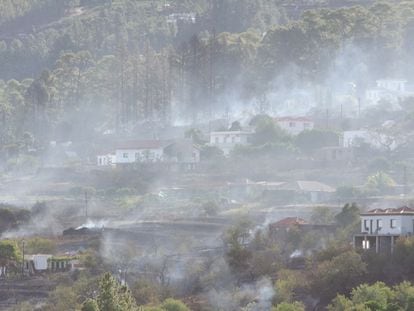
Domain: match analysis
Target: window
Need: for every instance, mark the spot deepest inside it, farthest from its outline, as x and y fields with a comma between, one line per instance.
x=365, y=244
x=366, y=227
x=379, y=224
x=216, y=140
x=393, y=223
x=125, y=155
x=291, y=124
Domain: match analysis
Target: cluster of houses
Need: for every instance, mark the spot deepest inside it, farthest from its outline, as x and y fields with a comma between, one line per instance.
x=380, y=228
x=227, y=140
x=282, y=192
x=187, y=154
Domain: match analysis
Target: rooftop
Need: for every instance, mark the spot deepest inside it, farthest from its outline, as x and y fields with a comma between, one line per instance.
x=142, y=144
x=289, y=221
x=231, y=132
x=297, y=119
x=307, y=186
x=405, y=210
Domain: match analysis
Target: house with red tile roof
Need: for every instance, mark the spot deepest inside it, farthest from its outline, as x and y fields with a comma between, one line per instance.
x=294, y=125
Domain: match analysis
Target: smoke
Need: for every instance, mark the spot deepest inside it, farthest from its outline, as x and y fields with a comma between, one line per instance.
x=256, y=296
x=91, y=224
x=45, y=221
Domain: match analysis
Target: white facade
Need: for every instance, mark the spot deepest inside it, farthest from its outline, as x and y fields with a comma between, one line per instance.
x=227, y=140
x=126, y=156
x=388, y=223
x=392, y=85
x=151, y=152
x=355, y=138
x=387, y=89
x=373, y=96
x=295, y=126
x=106, y=160
x=377, y=140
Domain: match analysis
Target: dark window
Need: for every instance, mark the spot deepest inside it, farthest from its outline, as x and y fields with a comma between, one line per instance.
x=366, y=227
x=393, y=223
x=379, y=224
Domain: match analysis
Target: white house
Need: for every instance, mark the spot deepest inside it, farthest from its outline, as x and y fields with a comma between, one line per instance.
x=355, y=138
x=374, y=139
x=295, y=125
x=40, y=263
x=386, y=89
x=151, y=151
x=140, y=151
x=106, y=159
x=392, y=85
x=381, y=227
x=227, y=140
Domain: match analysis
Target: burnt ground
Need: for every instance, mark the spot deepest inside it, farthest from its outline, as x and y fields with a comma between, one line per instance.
x=35, y=289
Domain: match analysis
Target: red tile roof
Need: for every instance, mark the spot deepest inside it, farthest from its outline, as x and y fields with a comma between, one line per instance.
x=288, y=119
x=142, y=144
x=288, y=222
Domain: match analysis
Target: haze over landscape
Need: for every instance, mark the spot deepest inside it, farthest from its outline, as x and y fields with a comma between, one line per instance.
x=206, y=155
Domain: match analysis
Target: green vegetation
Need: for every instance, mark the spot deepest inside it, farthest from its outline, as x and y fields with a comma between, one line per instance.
x=116, y=71
x=377, y=296
x=40, y=245
x=11, y=217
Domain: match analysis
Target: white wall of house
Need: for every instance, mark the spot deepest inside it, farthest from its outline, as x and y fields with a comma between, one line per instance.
x=295, y=126
x=387, y=224
x=388, y=90
x=377, y=140
x=354, y=138
x=373, y=96
x=227, y=140
x=392, y=85
x=125, y=156
x=105, y=160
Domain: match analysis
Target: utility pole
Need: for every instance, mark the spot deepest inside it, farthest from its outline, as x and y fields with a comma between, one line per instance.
x=86, y=205
x=23, y=241
x=405, y=180
x=327, y=118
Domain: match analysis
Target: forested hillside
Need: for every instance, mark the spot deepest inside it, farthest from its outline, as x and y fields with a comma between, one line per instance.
x=115, y=63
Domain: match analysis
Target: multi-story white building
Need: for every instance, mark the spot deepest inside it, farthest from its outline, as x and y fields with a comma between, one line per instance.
x=380, y=228
x=227, y=140
x=295, y=125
